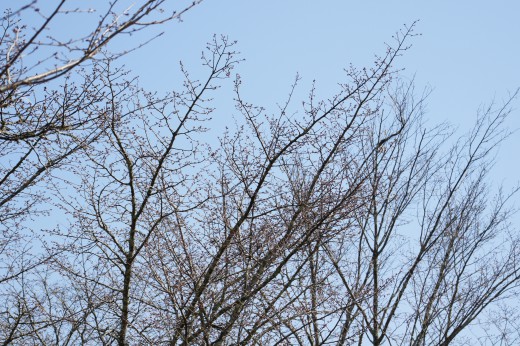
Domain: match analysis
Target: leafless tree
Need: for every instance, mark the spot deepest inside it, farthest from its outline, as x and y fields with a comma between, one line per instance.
x=353, y=223
x=344, y=221
x=433, y=249
x=52, y=104
x=134, y=179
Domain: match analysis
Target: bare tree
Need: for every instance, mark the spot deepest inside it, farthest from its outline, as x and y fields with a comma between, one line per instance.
x=433, y=249
x=345, y=221
x=52, y=105
x=350, y=224
x=134, y=179
x=44, y=123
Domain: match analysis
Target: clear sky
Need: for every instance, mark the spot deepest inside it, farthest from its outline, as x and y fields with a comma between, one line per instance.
x=468, y=52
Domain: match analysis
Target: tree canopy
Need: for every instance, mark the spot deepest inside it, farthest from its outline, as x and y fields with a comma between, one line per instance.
x=340, y=221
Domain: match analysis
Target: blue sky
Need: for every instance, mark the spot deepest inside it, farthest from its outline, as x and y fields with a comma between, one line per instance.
x=468, y=52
